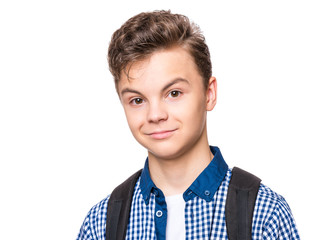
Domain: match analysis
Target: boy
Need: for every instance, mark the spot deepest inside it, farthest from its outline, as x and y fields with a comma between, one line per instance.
x=162, y=71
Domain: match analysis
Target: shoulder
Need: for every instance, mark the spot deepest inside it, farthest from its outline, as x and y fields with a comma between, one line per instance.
x=273, y=216
x=268, y=201
x=94, y=224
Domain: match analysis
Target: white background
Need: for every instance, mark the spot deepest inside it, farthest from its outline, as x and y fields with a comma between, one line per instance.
x=64, y=140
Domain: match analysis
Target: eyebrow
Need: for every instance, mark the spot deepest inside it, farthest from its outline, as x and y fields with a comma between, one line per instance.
x=175, y=81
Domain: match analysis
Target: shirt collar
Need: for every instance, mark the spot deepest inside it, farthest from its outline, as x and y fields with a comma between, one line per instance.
x=205, y=186
x=146, y=183
x=207, y=183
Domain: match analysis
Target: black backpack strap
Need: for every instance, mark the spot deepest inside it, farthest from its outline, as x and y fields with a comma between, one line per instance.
x=119, y=206
x=242, y=193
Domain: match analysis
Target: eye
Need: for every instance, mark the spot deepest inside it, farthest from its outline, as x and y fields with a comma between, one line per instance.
x=136, y=101
x=174, y=94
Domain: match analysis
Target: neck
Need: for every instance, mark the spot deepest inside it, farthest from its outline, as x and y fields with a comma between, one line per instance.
x=174, y=176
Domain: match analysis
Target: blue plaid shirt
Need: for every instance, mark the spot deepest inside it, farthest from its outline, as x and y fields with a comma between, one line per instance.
x=204, y=209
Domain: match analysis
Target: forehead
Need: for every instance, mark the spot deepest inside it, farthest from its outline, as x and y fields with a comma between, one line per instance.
x=160, y=67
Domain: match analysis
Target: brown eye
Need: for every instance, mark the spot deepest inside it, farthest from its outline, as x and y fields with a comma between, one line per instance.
x=175, y=94
x=137, y=101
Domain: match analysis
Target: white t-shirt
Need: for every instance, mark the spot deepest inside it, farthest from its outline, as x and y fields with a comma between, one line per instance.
x=175, y=229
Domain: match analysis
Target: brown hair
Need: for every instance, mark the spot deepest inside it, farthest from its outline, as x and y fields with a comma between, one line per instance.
x=148, y=32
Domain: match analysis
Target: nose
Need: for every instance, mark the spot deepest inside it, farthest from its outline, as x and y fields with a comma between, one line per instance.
x=157, y=112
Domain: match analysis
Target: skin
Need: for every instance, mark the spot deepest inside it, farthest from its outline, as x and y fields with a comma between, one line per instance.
x=166, y=104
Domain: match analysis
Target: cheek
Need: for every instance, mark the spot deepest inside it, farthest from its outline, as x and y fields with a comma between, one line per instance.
x=192, y=109
x=134, y=119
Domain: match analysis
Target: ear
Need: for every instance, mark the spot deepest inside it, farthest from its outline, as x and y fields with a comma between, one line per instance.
x=211, y=94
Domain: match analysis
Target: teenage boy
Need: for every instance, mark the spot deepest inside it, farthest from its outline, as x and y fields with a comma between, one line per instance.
x=162, y=71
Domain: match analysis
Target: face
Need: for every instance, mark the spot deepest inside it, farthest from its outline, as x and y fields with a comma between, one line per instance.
x=166, y=103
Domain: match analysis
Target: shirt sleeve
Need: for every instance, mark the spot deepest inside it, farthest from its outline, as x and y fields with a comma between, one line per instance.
x=85, y=231
x=281, y=224
x=94, y=225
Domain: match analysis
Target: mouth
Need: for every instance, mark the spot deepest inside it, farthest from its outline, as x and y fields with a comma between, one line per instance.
x=159, y=135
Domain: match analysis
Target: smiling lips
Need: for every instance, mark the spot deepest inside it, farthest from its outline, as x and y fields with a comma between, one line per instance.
x=159, y=135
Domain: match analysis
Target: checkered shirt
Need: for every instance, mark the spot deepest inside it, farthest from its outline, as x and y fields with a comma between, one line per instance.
x=204, y=210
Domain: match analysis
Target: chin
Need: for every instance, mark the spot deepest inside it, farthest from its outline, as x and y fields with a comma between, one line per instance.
x=166, y=151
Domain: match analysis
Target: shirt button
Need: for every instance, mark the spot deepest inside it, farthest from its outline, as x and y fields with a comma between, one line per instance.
x=207, y=193
x=159, y=213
